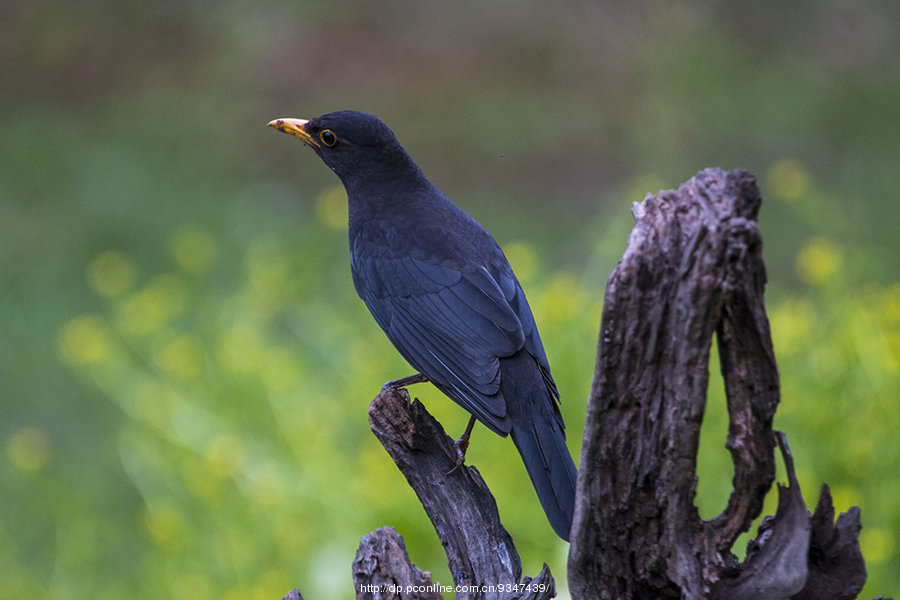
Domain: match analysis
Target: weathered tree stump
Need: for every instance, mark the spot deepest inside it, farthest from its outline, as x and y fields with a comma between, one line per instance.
x=382, y=569
x=482, y=557
x=692, y=268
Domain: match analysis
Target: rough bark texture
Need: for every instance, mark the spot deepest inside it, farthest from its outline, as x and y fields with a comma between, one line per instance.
x=482, y=557
x=775, y=566
x=382, y=569
x=693, y=267
x=836, y=566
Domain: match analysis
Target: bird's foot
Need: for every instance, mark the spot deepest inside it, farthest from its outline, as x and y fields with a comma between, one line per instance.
x=405, y=381
x=461, y=445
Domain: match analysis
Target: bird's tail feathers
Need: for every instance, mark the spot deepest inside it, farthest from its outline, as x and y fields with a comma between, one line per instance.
x=552, y=471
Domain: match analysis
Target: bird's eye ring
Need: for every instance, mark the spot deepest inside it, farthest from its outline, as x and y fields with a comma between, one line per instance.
x=328, y=138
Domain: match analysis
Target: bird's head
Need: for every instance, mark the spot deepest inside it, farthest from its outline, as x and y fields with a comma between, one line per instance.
x=351, y=143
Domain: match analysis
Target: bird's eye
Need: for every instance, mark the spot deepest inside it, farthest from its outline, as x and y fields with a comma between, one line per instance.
x=328, y=138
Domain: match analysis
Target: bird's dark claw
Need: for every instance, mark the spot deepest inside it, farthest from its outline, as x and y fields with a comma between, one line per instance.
x=461, y=445
x=405, y=381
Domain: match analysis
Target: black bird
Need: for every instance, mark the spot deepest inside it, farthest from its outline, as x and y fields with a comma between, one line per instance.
x=441, y=289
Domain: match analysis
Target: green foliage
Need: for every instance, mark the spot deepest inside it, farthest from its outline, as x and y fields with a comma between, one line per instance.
x=185, y=369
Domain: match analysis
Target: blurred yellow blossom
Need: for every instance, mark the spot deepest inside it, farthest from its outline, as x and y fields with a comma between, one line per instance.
x=523, y=258
x=85, y=339
x=164, y=523
x=790, y=322
x=877, y=544
x=225, y=455
x=29, y=449
x=563, y=299
x=111, y=273
x=200, y=480
x=788, y=179
x=180, y=356
x=819, y=261
x=145, y=311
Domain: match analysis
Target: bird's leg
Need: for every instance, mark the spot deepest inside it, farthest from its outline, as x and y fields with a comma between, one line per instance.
x=461, y=445
x=405, y=381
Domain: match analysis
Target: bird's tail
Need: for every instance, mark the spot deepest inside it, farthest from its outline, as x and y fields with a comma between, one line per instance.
x=538, y=434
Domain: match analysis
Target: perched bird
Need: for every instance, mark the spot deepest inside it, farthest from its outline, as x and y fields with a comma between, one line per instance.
x=441, y=289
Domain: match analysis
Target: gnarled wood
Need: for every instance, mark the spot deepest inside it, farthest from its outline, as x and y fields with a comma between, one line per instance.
x=836, y=566
x=693, y=266
x=382, y=569
x=483, y=560
x=462, y=509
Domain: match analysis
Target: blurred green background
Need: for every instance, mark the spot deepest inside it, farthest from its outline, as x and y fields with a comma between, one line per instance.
x=184, y=367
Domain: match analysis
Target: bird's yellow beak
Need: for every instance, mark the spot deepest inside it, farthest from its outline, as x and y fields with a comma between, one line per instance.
x=296, y=128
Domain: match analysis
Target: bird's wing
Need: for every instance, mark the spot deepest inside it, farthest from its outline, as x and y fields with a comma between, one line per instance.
x=452, y=325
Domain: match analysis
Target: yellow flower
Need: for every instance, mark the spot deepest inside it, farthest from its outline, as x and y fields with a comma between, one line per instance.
x=111, y=273
x=819, y=261
x=29, y=449
x=788, y=179
x=85, y=339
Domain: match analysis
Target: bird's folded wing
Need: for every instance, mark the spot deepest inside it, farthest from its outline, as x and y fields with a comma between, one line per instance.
x=449, y=324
